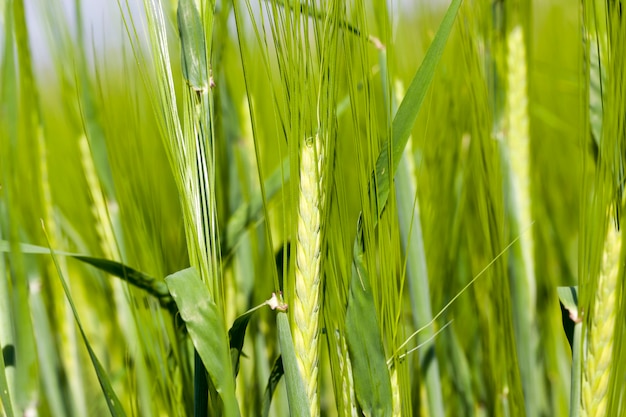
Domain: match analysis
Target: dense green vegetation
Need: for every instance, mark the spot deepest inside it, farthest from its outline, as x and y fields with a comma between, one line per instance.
x=316, y=207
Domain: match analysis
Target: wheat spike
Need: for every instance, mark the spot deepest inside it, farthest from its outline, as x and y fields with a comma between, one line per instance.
x=347, y=381
x=306, y=304
x=599, y=346
x=519, y=144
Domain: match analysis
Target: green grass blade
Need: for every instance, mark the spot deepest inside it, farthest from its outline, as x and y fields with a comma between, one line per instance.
x=371, y=376
x=206, y=328
x=5, y=247
x=237, y=334
x=407, y=112
x=296, y=393
x=151, y=285
x=113, y=402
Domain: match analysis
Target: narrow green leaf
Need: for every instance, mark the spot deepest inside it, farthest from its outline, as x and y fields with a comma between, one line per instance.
x=371, y=376
x=206, y=327
x=296, y=393
x=5, y=247
x=237, y=334
x=275, y=375
x=409, y=108
x=114, y=404
x=151, y=285
x=193, y=47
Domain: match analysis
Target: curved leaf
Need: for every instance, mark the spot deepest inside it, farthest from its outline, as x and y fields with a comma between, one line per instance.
x=206, y=327
x=369, y=367
x=236, y=336
x=409, y=108
x=151, y=285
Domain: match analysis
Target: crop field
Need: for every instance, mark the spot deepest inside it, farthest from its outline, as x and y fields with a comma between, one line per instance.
x=312, y=208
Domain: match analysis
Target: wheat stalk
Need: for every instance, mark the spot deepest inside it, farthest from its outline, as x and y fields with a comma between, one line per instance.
x=306, y=304
x=599, y=341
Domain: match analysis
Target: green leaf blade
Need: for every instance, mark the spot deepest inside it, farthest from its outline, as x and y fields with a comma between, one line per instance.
x=206, y=328
x=409, y=108
x=371, y=377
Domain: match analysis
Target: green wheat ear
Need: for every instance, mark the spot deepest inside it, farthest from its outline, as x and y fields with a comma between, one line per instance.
x=306, y=304
x=599, y=346
x=519, y=143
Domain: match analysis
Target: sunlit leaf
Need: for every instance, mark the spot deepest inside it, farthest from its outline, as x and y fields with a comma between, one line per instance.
x=208, y=333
